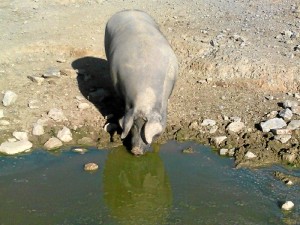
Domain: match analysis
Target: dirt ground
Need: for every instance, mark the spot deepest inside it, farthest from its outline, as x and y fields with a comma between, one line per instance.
x=237, y=59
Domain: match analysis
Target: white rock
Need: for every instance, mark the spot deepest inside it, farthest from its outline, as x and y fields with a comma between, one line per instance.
x=283, y=138
x=80, y=150
x=57, y=115
x=33, y=104
x=83, y=105
x=21, y=136
x=293, y=125
x=272, y=124
x=235, y=119
x=286, y=114
x=53, y=143
x=208, y=122
x=11, y=139
x=250, y=155
x=231, y=152
x=4, y=123
x=235, y=127
x=38, y=129
x=65, y=134
x=11, y=148
x=289, y=104
x=288, y=205
x=289, y=182
x=218, y=140
x=9, y=98
x=1, y=113
x=223, y=151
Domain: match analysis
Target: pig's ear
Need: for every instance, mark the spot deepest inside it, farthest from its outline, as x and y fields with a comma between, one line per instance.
x=126, y=123
x=152, y=129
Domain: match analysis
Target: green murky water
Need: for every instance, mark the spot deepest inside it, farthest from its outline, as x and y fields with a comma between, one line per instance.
x=164, y=187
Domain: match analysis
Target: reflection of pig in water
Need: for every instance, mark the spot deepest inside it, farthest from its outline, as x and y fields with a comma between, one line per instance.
x=136, y=190
x=143, y=68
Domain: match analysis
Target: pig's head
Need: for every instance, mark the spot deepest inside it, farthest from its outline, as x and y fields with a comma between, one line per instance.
x=144, y=129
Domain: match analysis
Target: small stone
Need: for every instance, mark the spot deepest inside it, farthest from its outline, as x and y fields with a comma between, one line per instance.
x=235, y=127
x=53, y=143
x=189, y=150
x=289, y=104
x=231, y=152
x=223, y=151
x=1, y=113
x=213, y=129
x=69, y=72
x=83, y=105
x=9, y=98
x=286, y=114
x=90, y=167
x=296, y=110
x=36, y=79
x=282, y=131
x=289, y=182
x=272, y=124
x=65, y=134
x=4, y=123
x=57, y=115
x=297, y=95
x=294, y=125
x=80, y=150
x=21, y=136
x=288, y=205
x=208, y=122
x=33, y=104
x=250, y=155
x=38, y=129
x=283, y=138
x=269, y=97
x=218, y=140
x=11, y=148
x=52, y=73
x=235, y=119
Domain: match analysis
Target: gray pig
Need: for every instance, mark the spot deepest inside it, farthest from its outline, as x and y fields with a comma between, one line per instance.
x=143, y=69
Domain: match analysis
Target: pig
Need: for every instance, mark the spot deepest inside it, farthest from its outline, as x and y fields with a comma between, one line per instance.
x=143, y=70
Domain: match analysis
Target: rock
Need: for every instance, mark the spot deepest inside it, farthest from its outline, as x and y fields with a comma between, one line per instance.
x=288, y=205
x=90, y=167
x=11, y=148
x=297, y=95
x=218, y=140
x=80, y=150
x=289, y=157
x=1, y=113
x=208, y=122
x=33, y=104
x=83, y=105
x=235, y=119
x=189, y=150
x=9, y=98
x=213, y=129
x=4, y=123
x=282, y=131
x=85, y=141
x=57, y=115
x=286, y=114
x=36, y=79
x=235, y=127
x=296, y=110
x=283, y=138
x=110, y=127
x=11, y=139
x=289, y=182
x=250, y=155
x=272, y=124
x=52, y=73
x=38, y=129
x=65, y=134
x=21, y=136
x=53, y=143
x=223, y=151
x=289, y=104
x=69, y=73
x=294, y=125
x=231, y=152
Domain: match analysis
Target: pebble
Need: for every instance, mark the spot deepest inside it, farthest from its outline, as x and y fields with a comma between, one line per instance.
x=9, y=98
x=36, y=79
x=272, y=124
x=11, y=148
x=250, y=155
x=208, y=122
x=293, y=125
x=33, y=104
x=53, y=143
x=38, y=129
x=110, y=127
x=283, y=138
x=21, y=136
x=223, y=151
x=65, y=134
x=57, y=115
x=52, y=72
x=4, y=123
x=1, y=113
x=90, y=167
x=218, y=140
x=289, y=104
x=235, y=127
x=235, y=119
x=288, y=205
x=289, y=182
x=286, y=114
x=83, y=105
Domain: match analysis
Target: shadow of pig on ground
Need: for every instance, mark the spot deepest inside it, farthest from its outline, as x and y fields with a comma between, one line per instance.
x=95, y=84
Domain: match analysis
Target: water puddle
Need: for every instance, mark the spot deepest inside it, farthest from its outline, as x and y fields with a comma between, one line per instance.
x=163, y=187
